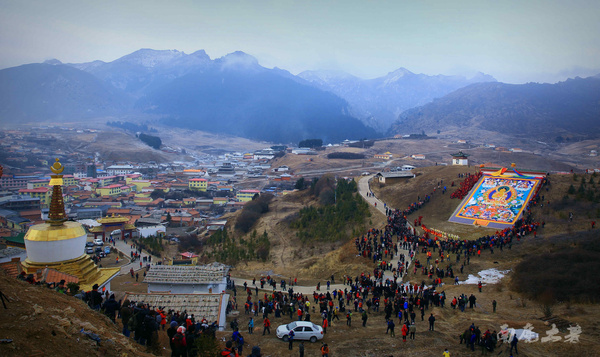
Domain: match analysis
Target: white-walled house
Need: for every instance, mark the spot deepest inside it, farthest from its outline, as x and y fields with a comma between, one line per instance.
x=187, y=279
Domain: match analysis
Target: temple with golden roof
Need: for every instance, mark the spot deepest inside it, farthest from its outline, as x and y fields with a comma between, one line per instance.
x=112, y=223
x=59, y=244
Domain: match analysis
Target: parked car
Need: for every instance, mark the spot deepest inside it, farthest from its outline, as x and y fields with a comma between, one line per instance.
x=303, y=330
x=107, y=250
x=89, y=244
x=89, y=250
x=366, y=173
x=98, y=241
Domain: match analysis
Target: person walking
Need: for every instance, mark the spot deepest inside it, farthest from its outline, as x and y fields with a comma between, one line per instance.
x=267, y=325
x=494, y=305
x=404, y=332
x=251, y=326
x=364, y=318
x=513, y=344
x=301, y=349
x=446, y=353
x=431, y=322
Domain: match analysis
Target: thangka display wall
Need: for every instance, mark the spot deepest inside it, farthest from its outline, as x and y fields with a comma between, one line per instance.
x=496, y=201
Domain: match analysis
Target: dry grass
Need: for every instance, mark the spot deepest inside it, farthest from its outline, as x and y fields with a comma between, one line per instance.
x=312, y=263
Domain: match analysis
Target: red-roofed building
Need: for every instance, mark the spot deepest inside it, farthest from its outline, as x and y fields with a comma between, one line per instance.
x=110, y=190
x=198, y=184
x=43, y=193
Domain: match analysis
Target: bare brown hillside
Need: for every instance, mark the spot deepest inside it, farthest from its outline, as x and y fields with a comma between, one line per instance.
x=42, y=322
x=291, y=258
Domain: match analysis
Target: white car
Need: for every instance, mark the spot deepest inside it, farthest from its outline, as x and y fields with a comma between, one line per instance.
x=303, y=330
x=98, y=241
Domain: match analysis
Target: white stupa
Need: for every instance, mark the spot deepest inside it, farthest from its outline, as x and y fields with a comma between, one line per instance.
x=60, y=245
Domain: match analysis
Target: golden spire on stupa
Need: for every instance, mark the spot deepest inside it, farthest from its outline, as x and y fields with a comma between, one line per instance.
x=57, y=214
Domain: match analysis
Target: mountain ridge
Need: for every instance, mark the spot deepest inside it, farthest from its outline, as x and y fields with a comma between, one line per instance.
x=379, y=101
x=543, y=111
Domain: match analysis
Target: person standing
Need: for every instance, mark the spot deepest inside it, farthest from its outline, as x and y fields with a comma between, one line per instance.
x=301, y=349
x=412, y=330
x=494, y=305
x=251, y=326
x=391, y=326
x=404, y=332
x=325, y=350
x=291, y=335
x=364, y=318
x=446, y=353
x=179, y=343
x=513, y=344
x=126, y=313
x=431, y=322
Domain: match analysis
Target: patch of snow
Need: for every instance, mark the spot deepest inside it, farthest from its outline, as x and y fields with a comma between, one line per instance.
x=522, y=335
x=488, y=276
x=89, y=222
x=151, y=231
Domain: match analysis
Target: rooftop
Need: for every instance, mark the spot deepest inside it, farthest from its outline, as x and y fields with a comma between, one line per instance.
x=195, y=274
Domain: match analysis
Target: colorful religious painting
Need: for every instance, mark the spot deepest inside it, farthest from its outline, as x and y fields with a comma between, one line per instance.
x=496, y=202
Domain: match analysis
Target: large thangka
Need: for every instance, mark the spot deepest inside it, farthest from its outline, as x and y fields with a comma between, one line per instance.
x=498, y=199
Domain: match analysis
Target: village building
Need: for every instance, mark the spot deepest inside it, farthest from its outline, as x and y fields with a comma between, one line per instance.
x=460, y=158
x=187, y=279
x=198, y=184
x=383, y=176
x=212, y=307
x=385, y=156
x=246, y=195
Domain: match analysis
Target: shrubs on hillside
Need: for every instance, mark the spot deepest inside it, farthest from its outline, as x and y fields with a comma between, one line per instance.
x=568, y=274
x=151, y=140
x=252, y=211
x=152, y=244
x=226, y=248
x=345, y=156
x=341, y=208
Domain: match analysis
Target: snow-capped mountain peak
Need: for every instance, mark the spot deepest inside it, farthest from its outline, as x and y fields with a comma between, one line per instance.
x=150, y=58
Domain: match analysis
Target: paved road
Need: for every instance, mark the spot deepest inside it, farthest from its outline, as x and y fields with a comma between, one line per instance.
x=126, y=250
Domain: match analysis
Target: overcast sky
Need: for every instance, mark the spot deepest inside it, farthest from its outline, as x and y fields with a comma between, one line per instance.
x=516, y=41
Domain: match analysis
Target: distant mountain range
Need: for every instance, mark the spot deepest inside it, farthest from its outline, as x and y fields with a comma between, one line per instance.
x=235, y=95
x=40, y=91
x=232, y=95
x=379, y=101
x=549, y=112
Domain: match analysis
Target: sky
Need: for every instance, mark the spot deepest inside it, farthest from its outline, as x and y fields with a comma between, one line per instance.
x=516, y=41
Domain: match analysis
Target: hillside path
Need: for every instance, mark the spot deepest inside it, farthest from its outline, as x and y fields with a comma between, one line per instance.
x=126, y=249
x=363, y=189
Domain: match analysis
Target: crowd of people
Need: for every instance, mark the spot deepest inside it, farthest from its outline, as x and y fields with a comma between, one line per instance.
x=466, y=185
x=385, y=291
